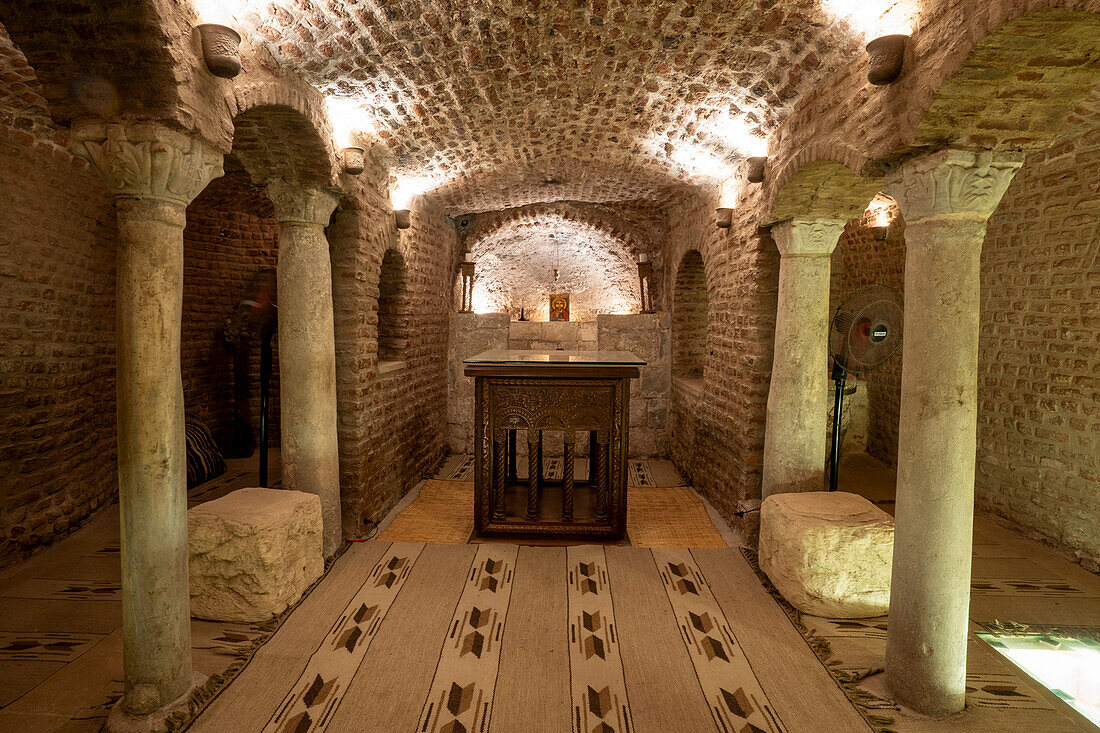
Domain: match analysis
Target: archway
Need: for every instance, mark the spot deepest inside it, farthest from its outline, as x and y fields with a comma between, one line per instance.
x=690, y=313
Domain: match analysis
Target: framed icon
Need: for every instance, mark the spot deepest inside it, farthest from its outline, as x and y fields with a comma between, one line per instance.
x=559, y=306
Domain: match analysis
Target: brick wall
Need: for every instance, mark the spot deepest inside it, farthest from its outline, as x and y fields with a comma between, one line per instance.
x=1039, y=360
x=231, y=235
x=57, y=326
x=859, y=260
x=391, y=423
x=717, y=430
x=393, y=308
x=689, y=317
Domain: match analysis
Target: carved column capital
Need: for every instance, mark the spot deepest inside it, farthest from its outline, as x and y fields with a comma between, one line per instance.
x=147, y=161
x=952, y=182
x=298, y=204
x=807, y=237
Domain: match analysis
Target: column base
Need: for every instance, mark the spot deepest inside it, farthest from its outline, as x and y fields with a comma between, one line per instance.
x=120, y=721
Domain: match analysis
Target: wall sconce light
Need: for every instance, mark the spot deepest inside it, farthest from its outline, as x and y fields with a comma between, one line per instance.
x=886, y=55
x=354, y=161
x=645, y=272
x=467, y=269
x=403, y=218
x=879, y=232
x=723, y=218
x=756, y=168
x=221, y=49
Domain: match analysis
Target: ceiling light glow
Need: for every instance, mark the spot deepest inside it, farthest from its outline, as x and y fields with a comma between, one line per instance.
x=346, y=117
x=737, y=134
x=224, y=12
x=875, y=18
x=405, y=189
x=699, y=162
x=881, y=210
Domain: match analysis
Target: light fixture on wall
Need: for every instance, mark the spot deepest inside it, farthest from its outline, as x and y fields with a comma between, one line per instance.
x=221, y=49
x=885, y=58
x=879, y=232
x=645, y=272
x=467, y=270
x=723, y=218
x=756, y=166
x=403, y=217
x=354, y=158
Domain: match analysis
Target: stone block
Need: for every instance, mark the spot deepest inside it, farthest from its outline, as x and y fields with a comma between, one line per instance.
x=252, y=553
x=828, y=553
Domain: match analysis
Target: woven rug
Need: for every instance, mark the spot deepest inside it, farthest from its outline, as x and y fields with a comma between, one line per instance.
x=655, y=517
x=502, y=638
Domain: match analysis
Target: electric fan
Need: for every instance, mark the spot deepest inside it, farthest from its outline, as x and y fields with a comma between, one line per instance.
x=866, y=332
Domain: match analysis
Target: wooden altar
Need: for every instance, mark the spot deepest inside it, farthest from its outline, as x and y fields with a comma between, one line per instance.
x=584, y=395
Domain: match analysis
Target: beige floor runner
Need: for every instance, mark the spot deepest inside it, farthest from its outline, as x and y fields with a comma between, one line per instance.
x=500, y=638
x=656, y=517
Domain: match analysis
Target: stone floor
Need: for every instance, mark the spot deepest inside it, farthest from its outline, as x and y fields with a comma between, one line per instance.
x=60, y=641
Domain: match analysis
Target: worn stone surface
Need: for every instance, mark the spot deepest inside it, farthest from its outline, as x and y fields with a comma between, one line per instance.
x=252, y=553
x=470, y=334
x=828, y=553
x=647, y=336
x=794, y=448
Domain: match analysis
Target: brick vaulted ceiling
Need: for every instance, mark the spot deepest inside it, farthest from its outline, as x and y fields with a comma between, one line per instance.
x=510, y=102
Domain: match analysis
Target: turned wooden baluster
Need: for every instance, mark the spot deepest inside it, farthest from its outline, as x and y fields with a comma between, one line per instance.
x=534, y=440
x=512, y=455
x=592, y=457
x=499, y=460
x=567, y=476
x=603, y=440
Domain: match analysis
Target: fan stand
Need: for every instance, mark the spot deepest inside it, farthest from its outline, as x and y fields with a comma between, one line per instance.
x=840, y=376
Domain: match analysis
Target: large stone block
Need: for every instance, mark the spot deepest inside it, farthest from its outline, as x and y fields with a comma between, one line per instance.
x=253, y=553
x=828, y=553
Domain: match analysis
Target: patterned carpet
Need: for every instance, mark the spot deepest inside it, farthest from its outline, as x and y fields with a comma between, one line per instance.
x=499, y=637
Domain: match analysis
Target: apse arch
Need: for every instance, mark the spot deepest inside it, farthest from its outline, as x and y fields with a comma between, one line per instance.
x=517, y=259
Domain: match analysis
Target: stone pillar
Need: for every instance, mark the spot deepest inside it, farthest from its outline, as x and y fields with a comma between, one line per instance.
x=307, y=350
x=794, y=437
x=946, y=199
x=154, y=173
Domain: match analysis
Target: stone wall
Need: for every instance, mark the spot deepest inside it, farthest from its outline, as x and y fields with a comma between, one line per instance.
x=552, y=335
x=231, y=235
x=1039, y=360
x=57, y=325
x=470, y=334
x=647, y=336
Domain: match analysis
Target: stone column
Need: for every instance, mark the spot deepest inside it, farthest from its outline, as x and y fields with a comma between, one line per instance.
x=307, y=350
x=154, y=173
x=794, y=437
x=946, y=199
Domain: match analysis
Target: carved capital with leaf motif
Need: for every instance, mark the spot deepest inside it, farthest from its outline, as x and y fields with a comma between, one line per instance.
x=957, y=183
x=147, y=161
x=298, y=204
x=807, y=237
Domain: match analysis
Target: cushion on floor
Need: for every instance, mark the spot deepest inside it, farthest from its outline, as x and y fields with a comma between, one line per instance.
x=204, y=460
x=253, y=553
x=828, y=553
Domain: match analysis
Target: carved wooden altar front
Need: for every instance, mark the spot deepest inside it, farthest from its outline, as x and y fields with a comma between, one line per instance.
x=584, y=396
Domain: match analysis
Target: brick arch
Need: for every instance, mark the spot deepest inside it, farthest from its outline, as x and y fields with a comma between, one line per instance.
x=821, y=182
x=1023, y=84
x=690, y=316
x=281, y=132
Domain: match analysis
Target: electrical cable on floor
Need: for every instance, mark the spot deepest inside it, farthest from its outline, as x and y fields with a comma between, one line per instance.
x=371, y=534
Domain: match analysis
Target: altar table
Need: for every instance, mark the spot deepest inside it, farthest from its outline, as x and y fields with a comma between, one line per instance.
x=576, y=393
